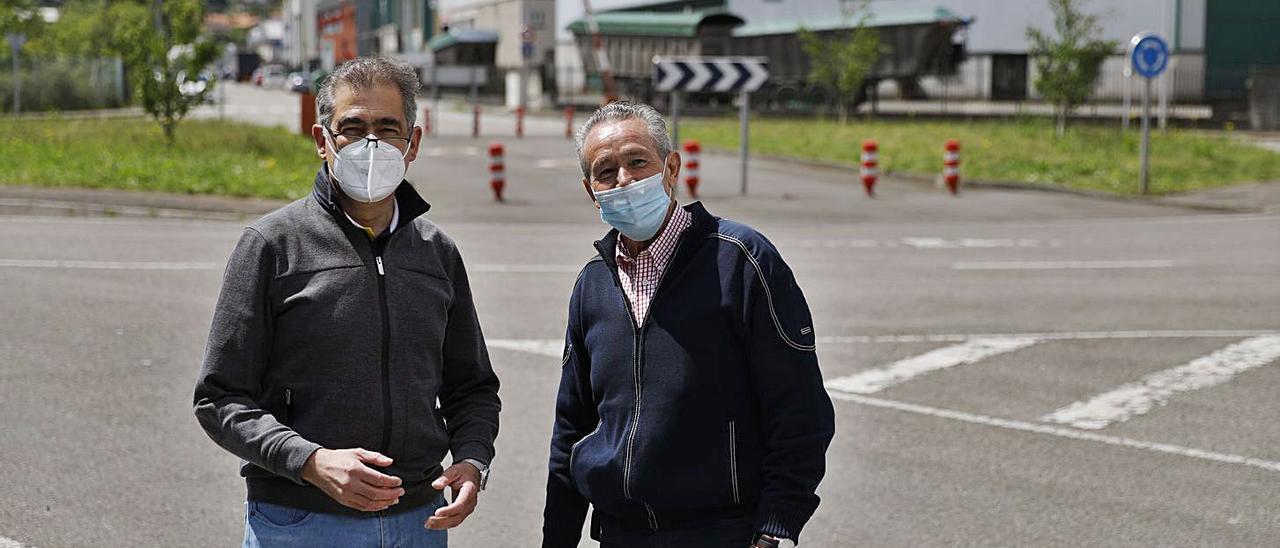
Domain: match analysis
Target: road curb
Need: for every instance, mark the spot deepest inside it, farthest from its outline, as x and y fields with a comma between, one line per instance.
x=94, y=202
x=1182, y=200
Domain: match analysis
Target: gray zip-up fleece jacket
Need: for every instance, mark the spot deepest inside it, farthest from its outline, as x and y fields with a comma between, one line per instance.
x=323, y=337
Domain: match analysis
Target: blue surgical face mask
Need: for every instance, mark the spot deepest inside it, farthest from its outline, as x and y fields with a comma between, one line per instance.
x=637, y=210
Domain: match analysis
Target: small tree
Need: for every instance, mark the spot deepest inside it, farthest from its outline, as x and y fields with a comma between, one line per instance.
x=842, y=62
x=165, y=59
x=1068, y=65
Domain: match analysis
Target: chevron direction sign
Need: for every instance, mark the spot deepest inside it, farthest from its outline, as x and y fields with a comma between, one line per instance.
x=720, y=74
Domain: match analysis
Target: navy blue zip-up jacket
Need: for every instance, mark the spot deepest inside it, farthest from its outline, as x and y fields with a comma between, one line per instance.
x=713, y=406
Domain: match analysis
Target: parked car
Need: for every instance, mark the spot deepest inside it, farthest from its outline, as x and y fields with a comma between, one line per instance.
x=270, y=76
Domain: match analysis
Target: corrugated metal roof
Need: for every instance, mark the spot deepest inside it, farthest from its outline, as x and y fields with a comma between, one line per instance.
x=877, y=19
x=654, y=23
x=468, y=36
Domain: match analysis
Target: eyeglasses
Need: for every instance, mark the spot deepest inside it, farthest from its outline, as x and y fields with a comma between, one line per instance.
x=355, y=135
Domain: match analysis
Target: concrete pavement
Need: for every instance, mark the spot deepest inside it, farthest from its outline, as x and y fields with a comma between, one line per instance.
x=987, y=312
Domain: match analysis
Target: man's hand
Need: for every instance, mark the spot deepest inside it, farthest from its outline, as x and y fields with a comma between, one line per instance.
x=343, y=476
x=464, y=479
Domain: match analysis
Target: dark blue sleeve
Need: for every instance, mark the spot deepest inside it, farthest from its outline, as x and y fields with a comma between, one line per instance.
x=797, y=417
x=576, y=416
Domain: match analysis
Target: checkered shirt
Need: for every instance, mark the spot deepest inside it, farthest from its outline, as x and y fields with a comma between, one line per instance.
x=640, y=275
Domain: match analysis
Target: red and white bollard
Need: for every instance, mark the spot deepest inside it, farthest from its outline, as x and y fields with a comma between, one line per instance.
x=568, y=122
x=951, y=166
x=692, y=150
x=870, y=166
x=475, y=122
x=519, y=122
x=426, y=121
x=497, y=171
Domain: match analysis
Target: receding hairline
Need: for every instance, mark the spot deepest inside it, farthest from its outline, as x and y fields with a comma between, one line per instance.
x=354, y=90
x=643, y=128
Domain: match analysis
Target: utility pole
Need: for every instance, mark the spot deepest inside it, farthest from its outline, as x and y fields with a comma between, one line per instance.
x=602, y=56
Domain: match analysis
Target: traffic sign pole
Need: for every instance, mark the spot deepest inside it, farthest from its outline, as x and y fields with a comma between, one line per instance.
x=1145, y=152
x=675, y=117
x=743, y=111
x=1149, y=57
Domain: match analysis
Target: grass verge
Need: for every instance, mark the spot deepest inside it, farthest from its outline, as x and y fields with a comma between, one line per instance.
x=209, y=157
x=1088, y=157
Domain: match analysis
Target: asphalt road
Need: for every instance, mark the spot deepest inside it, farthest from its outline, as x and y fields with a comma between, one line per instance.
x=955, y=333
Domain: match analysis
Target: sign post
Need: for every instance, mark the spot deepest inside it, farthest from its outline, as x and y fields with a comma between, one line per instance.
x=713, y=74
x=1149, y=56
x=16, y=41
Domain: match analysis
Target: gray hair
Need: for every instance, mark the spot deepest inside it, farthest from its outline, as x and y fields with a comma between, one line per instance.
x=623, y=110
x=363, y=73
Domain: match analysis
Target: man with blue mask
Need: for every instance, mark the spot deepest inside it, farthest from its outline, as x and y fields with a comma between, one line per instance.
x=691, y=411
x=345, y=358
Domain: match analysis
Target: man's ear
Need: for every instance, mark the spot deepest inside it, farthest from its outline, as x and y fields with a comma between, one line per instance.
x=317, y=135
x=673, y=170
x=415, y=139
x=586, y=185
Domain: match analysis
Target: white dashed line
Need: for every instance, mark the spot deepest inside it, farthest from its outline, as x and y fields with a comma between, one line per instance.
x=875, y=380
x=525, y=268
x=6, y=542
x=106, y=265
x=1061, y=265
x=1133, y=399
x=1058, y=431
x=542, y=347
x=1048, y=336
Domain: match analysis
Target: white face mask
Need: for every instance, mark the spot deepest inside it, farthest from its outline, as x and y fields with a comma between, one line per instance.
x=368, y=170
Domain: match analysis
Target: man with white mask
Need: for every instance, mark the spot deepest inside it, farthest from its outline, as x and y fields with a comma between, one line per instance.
x=345, y=357
x=691, y=411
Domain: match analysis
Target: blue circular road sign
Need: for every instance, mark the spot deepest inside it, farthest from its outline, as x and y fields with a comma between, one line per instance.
x=1149, y=55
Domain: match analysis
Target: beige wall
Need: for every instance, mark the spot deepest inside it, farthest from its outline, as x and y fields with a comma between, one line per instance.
x=504, y=17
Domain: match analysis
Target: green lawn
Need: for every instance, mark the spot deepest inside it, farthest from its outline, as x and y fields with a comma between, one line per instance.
x=209, y=157
x=1089, y=157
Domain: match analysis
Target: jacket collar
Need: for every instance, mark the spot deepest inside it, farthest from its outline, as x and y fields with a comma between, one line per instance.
x=411, y=203
x=704, y=223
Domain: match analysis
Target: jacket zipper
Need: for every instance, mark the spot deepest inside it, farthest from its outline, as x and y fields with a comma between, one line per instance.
x=637, y=362
x=288, y=406
x=386, y=355
x=733, y=461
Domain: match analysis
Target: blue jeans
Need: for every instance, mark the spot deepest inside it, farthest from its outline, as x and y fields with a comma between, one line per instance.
x=271, y=526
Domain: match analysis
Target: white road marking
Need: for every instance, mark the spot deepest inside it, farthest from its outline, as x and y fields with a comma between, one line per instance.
x=1137, y=398
x=1059, y=431
x=541, y=347
x=875, y=380
x=1047, y=336
x=107, y=265
x=525, y=268
x=6, y=542
x=1060, y=265
x=554, y=348
x=980, y=243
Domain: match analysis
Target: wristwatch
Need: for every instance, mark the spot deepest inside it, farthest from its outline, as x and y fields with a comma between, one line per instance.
x=770, y=541
x=484, y=471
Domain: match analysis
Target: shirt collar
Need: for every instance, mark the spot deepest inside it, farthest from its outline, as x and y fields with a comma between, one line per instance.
x=664, y=245
x=395, y=220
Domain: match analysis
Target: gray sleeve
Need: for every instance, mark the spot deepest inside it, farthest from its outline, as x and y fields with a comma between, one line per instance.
x=469, y=400
x=230, y=382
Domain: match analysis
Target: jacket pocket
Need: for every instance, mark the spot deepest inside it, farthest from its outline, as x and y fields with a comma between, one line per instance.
x=573, y=451
x=733, y=462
